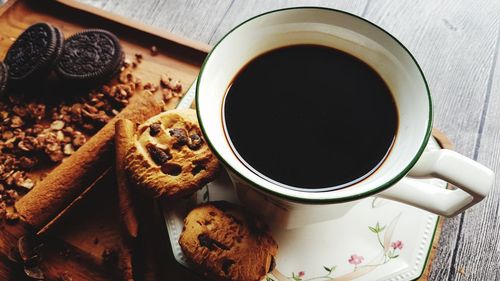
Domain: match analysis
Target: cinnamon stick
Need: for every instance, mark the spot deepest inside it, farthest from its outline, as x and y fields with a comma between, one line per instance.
x=67, y=181
x=124, y=131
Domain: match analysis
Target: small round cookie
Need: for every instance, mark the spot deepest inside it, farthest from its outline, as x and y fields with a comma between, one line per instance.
x=34, y=52
x=169, y=157
x=4, y=76
x=227, y=243
x=90, y=56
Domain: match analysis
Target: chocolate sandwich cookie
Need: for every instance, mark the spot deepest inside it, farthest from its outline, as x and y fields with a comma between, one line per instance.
x=34, y=52
x=4, y=76
x=90, y=56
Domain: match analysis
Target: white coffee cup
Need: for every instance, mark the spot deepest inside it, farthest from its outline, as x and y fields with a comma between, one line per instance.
x=408, y=159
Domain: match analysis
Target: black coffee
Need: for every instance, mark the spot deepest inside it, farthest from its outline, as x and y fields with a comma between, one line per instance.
x=310, y=117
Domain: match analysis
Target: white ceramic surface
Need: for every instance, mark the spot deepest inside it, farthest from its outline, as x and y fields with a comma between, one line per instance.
x=363, y=39
x=332, y=29
x=352, y=245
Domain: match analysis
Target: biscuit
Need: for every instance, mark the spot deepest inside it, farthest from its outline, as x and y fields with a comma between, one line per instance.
x=34, y=52
x=91, y=56
x=169, y=157
x=227, y=243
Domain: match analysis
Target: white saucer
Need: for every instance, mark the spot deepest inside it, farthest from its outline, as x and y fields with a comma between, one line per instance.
x=377, y=239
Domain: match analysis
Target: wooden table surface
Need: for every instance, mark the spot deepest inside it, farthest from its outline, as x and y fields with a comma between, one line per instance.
x=456, y=44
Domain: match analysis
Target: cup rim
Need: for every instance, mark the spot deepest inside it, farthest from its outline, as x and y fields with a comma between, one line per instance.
x=356, y=196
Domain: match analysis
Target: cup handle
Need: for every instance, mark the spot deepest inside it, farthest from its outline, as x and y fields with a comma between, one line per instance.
x=473, y=182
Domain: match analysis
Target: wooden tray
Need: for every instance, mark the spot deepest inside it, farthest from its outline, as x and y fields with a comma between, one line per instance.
x=76, y=244
x=75, y=247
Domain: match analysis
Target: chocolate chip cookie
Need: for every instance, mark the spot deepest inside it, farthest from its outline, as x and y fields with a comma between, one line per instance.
x=227, y=243
x=169, y=157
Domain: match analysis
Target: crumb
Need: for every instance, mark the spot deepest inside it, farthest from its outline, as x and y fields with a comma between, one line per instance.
x=167, y=82
x=154, y=50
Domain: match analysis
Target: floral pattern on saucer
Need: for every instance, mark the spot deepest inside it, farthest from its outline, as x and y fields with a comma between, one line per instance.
x=389, y=251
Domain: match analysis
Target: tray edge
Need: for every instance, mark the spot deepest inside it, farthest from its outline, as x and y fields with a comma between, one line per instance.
x=193, y=44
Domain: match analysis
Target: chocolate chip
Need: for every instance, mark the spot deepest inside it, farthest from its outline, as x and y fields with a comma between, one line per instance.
x=180, y=135
x=206, y=241
x=226, y=264
x=197, y=169
x=171, y=169
x=154, y=129
x=158, y=155
x=211, y=244
x=195, y=142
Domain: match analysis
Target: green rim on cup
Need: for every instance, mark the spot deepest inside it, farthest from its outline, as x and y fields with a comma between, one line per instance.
x=323, y=200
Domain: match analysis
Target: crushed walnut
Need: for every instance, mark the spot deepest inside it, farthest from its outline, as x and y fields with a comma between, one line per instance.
x=35, y=132
x=170, y=84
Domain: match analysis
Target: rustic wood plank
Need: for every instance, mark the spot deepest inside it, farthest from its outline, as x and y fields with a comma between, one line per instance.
x=455, y=46
x=478, y=257
x=193, y=19
x=241, y=10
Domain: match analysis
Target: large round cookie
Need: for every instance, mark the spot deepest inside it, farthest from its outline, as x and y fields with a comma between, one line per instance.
x=227, y=243
x=169, y=157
